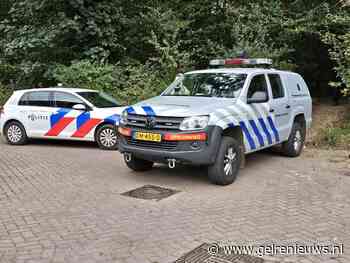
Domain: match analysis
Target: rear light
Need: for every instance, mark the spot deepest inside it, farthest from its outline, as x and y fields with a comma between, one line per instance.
x=200, y=136
x=2, y=110
x=240, y=61
x=125, y=131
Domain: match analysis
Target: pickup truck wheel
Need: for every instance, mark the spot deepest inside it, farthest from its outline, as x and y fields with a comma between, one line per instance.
x=15, y=133
x=138, y=165
x=107, y=137
x=295, y=144
x=226, y=167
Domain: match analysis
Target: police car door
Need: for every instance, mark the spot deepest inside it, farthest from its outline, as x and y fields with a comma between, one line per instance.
x=280, y=105
x=260, y=130
x=36, y=108
x=63, y=123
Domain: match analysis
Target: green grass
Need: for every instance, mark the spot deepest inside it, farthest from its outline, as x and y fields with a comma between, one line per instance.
x=338, y=136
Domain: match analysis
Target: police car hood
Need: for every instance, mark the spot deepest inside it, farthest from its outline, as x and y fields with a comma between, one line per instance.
x=111, y=115
x=181, y=106
x=114, y=110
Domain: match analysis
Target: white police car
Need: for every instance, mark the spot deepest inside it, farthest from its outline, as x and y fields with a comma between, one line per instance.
x=214, y=117
x=61, y=113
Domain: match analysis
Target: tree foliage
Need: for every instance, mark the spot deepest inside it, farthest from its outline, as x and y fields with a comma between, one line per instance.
x=129, y=82
x=117, y=45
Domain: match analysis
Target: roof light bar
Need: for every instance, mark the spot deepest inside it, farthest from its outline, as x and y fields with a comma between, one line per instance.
x=241, y=61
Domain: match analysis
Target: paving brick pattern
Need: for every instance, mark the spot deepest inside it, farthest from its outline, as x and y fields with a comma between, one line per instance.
x=63, y=203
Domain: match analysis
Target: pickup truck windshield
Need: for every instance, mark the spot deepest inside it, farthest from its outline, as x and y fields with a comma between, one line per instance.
x=99, y=99
x=224, y=85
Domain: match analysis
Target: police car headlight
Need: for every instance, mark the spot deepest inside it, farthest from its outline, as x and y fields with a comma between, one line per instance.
x=124, y=117
x=194, y=123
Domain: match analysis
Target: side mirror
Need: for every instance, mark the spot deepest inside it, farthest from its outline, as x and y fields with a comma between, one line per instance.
x=80, y=107
x=180, y=75
x=258, y=97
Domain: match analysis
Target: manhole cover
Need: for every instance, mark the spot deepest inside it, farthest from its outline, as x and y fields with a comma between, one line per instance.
x=151, y=192
x=201, y=255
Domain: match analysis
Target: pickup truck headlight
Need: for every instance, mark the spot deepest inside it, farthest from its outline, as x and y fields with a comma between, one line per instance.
x=194, y=123
x=124, y=118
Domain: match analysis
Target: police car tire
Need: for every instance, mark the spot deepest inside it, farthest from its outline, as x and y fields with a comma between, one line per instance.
x=19, y=127
x=98, y=138
x=288, y=147
x=139, y=165
x=216, y=172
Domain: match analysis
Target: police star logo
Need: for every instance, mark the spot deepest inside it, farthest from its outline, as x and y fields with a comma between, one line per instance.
x=150, y=122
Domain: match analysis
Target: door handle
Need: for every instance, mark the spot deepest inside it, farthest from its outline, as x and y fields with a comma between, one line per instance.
x=288, y=107
x=272, y=110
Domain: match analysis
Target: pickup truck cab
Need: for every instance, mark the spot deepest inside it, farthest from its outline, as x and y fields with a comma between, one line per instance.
x=215, y=117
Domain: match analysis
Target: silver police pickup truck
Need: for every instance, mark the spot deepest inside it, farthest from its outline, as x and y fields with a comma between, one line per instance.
x=215, y=117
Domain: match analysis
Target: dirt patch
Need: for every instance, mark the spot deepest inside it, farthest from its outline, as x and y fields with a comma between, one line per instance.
x=325, y=116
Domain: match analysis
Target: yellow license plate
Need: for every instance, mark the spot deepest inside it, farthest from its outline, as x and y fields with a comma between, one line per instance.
x=147, y=136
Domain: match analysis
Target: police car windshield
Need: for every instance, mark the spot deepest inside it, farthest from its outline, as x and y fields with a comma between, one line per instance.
x=99, y=99
x=223, y=85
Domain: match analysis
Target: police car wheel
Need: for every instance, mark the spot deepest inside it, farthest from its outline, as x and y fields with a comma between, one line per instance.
x=295, y=144
x=107, y=137
x=15, y=133
x=138, y=165
x=226, y=167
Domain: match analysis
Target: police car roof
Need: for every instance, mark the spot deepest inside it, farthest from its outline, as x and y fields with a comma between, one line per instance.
x=71, y=90
x=237, y=70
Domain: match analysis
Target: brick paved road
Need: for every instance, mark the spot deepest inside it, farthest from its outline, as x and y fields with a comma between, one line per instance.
x=62, y=203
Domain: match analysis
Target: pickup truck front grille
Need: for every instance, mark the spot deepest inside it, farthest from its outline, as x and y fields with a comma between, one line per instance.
x=160, y=123
x=164, y=145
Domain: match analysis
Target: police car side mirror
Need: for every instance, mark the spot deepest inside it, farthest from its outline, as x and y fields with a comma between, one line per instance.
x=80, y=107
x=180, y=75
x=258, y=97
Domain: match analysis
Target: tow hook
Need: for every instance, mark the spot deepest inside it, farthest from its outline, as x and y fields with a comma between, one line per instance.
x=171, y=163
x=127, y=157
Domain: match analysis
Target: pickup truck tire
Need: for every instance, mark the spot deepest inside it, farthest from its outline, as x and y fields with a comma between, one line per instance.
x=226, y=167
x=295, y=144
x=138, y=165
x=15, y=133
x=107, y=137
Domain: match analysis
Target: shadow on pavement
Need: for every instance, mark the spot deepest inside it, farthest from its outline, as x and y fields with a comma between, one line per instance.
x=63, y=143
x=162, y=174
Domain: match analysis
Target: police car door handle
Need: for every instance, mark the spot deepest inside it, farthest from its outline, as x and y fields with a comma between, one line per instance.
x=288, y=107
x=272, y=110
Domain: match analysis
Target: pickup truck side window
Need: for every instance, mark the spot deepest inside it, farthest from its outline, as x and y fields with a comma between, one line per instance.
x=276, y=86
x=257, y=85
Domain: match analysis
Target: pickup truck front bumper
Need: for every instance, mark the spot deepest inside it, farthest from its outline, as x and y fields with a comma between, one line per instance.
x=187, y=152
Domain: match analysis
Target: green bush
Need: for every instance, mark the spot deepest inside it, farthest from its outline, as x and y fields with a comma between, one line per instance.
x=128, y=83
x=5, y=93
x=338, y=136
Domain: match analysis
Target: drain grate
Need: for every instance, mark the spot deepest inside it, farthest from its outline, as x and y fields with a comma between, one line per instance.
x=201, y=255
x=151, y=192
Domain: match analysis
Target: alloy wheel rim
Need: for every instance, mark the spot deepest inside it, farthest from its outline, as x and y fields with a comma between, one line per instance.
x=108, y=137
x=297, y=140
x=229, y=160
x=14, y=133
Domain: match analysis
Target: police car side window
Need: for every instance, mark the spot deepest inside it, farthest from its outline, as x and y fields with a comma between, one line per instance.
x=24, y=101
x=66, y=100
x=36, y=98
x=276, y=86
x=257, y=84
